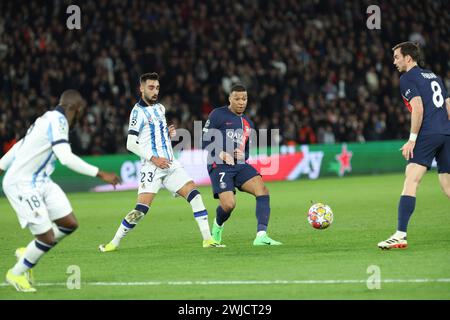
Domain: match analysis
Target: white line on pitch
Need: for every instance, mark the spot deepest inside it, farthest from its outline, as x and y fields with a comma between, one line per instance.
x=237, y=282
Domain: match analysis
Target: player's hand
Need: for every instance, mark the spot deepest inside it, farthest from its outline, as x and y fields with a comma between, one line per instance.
x=227, y=158
x=160, y=162
x=172, y=131
x=408, y=150
x=109, y=177
x=239, y=154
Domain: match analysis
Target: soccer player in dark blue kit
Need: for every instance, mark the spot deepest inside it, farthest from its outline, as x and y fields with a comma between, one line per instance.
x=426, y=98
x=226, y=136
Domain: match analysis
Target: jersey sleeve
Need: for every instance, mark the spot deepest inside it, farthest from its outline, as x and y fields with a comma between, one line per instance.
x=8, y=158
x=64, y=154
x=408, y=89
x=249, y=140
x=136, y=122
x=58, y=131
x=213, y=122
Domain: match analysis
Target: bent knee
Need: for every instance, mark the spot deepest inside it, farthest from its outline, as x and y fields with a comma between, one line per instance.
x=228, y=206
x=265, y=191
x=47, y=238
x=73, y=226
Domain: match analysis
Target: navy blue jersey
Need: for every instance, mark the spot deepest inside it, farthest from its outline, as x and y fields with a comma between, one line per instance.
x=423, y=83
x=235, y=132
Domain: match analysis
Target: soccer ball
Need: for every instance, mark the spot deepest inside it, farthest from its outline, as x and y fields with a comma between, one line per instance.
x=320, y=216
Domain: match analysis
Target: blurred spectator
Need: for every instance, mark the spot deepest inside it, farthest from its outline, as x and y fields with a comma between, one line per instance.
x=312, y=68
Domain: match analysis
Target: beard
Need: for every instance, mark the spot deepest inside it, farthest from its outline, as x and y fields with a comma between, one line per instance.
x=151, y=100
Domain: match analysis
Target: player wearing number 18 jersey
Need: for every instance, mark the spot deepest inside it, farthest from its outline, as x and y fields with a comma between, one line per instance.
x=425, y=96
x=40, y=204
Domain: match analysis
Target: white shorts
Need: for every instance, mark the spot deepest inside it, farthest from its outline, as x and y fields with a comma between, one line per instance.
x=37, y=207
x=153, y=178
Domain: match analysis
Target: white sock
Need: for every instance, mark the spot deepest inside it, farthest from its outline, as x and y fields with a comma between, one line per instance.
x=203, y=225
x=201, y=216
x=60, y=232
x=261, y=233
x=129, y=222
x=399, y=235
x=35, y=250
x=122, y=231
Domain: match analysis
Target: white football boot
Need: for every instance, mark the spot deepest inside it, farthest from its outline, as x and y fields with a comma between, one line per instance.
x=393, y=243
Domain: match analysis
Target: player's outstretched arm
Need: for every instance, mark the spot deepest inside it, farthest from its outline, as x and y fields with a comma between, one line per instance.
x=109, y=177
x=64, y=154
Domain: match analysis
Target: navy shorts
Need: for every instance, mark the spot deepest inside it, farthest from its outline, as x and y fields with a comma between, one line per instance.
x=225, y=177
x=433, y=146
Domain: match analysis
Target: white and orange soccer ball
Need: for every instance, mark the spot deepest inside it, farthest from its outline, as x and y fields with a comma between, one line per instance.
x=320, y=216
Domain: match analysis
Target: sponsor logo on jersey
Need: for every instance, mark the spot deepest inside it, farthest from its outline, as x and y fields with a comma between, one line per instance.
x=62, y=125
x=205, y=129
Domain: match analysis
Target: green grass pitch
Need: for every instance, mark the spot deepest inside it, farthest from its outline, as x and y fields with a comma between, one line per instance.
x=163, y=258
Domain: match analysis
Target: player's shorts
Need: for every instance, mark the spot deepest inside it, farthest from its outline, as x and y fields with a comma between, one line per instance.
x=225, y=177
x=153, y=178
x=37, y=207
x=433, y=146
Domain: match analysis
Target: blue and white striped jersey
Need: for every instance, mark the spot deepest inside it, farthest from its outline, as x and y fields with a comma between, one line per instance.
x=148, y=123
x=34, y=159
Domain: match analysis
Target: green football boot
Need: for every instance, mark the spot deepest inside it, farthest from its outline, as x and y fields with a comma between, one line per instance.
x=264, y=240
x=217, y=232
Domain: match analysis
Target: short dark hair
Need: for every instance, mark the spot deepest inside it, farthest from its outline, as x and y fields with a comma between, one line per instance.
x=70, y=96
x=238, y=87
x=148, y=76
x=411, y=49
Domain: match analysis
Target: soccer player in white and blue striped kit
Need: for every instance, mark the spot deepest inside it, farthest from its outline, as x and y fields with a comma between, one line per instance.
x=149, y=138
x=40, y=204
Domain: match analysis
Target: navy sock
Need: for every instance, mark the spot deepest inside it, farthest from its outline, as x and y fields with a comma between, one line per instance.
x=221, y=215
x=405, y=210
x=262, y=212
x=142, y=208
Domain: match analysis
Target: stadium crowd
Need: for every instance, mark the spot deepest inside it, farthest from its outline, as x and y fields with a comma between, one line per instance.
x=312, y=68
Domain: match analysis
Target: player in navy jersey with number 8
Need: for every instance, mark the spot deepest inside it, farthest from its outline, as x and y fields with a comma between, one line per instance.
x=226, y=136
x=425, y=96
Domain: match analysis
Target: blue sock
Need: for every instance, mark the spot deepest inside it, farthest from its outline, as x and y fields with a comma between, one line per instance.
x=262, y=212
x=405, y=210
x=221, y=216
x=142, y=208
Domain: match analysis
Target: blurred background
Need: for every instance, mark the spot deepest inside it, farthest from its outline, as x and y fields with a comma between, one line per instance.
x=312, y=67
